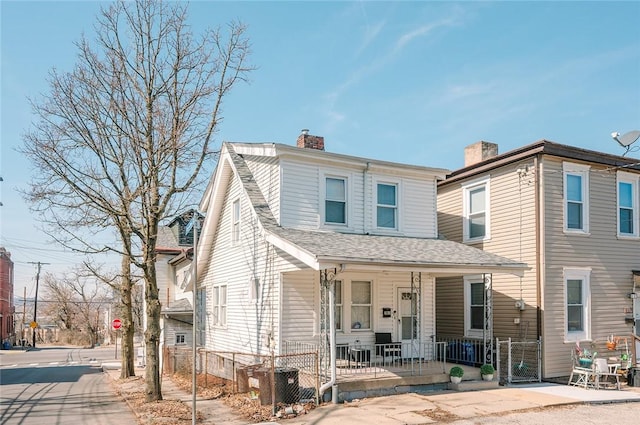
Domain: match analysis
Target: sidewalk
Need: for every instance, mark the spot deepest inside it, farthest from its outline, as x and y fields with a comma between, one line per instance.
x=413, y=408
x=214, y=411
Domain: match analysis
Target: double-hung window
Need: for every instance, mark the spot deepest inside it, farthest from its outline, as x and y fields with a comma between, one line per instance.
x=335, y=204
x=387, y=208
x=576, y=197
x=220, y=305
x=628, y=197
x=235, y=222
x=476, y=217
x=361, y=305
x=577, y=303
x=474, y=306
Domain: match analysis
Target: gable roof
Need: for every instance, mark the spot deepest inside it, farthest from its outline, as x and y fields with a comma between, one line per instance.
x=545, y=147
x=320, y=250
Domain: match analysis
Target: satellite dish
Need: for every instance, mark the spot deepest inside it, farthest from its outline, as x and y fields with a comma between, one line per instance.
x=626, y=139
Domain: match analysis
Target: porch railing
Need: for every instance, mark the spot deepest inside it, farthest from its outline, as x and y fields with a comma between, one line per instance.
x=381, y=360
x=463, y=351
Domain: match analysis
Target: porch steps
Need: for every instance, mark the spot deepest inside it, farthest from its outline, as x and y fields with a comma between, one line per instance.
x=474, y=385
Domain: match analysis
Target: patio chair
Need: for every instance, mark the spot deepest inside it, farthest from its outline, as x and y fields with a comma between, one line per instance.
x=385, y=347
x=604, y=375
x=583, y=375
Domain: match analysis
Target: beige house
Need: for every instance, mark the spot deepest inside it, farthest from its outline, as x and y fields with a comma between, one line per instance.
x=573, y=216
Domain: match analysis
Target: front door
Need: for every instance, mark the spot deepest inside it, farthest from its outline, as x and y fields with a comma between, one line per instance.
x=408, y=322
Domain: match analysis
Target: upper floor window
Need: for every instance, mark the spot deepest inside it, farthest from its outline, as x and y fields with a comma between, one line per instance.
x=577, y=302
x=476, y=210
x=335, y=207
x=387, y=206
x=628, y=196
x=576, y=197
x=180, y=339
x=235, y=222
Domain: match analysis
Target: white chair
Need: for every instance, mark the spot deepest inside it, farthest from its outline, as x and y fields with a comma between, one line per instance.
x=604, y=376
x=583, y=375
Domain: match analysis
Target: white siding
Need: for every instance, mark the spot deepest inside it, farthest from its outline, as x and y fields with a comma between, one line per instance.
x=301, y=293
x=249, y=323
x=303, y=200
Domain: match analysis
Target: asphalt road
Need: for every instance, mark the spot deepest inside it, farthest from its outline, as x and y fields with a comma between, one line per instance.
x=57, y=385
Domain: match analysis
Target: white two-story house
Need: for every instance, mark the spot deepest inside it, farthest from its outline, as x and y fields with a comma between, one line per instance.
x=300, y=245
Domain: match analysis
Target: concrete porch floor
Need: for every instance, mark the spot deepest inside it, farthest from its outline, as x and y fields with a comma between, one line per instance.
x=357, y=383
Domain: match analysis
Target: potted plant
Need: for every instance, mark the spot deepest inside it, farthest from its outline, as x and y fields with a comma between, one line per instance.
x=487, y=371
x=455, y=374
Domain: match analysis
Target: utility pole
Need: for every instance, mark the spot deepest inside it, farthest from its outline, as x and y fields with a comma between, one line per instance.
x=34, y=324
x=24, y=316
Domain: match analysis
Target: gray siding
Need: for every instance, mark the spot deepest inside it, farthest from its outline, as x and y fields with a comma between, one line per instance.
x=513, y=230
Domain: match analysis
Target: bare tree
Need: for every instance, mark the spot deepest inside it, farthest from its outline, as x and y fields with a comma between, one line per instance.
x=77, y=302
x=120, y=142
x=60, y=305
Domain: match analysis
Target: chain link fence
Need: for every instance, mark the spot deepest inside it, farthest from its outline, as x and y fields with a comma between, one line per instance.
x=272, y=380
x=519, y=361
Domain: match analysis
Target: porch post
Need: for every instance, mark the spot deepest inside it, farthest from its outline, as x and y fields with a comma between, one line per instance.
x=487, y=333
x=416, y=288
x=327, y=335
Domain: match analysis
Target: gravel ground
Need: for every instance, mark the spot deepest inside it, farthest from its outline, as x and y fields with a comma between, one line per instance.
x=581, y=414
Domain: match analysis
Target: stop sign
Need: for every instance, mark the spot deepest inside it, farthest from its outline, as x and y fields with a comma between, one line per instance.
x=117, y=324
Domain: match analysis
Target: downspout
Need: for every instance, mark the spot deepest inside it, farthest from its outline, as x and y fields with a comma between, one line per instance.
x=332, y=346
x=540, y=255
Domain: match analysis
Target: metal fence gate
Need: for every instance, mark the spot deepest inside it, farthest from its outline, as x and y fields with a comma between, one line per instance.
x=519, y=361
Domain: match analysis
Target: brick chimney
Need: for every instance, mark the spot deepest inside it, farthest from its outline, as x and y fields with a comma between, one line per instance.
x=306, y=140
x=479, y=152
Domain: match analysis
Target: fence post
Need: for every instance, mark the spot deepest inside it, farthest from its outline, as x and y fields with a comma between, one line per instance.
x=509, y=366
x=273, y=382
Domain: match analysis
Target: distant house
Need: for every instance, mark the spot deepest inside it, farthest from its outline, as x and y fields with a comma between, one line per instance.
x=294, y=232
x=174, y=249
x=573, y=215
x=7, y=309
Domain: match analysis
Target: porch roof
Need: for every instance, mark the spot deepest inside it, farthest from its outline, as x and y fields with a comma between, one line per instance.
x=178, y=307
x=321, y=250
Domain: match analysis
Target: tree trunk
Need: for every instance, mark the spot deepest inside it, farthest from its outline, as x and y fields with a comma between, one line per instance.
x=128, y=326
x=152, y=333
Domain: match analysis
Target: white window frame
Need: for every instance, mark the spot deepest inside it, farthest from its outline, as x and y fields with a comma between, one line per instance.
x=347, y=196
x=181, y=338
x=584, y=275
x=235, y=221
x=468, y=281
x=220, y=296
x=581, y=170
x=634, y=181
x=394, y=207
x=467, y=188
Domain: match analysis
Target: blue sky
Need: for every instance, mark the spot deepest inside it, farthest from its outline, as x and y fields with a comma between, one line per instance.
x=411, y=82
